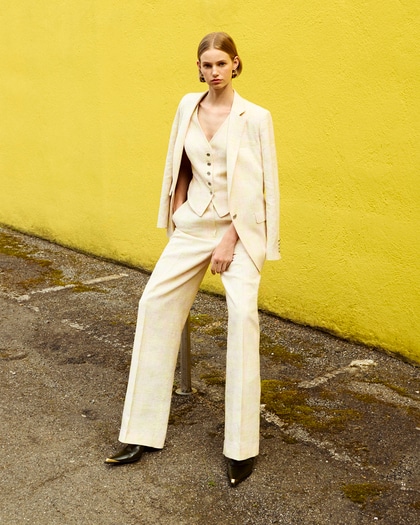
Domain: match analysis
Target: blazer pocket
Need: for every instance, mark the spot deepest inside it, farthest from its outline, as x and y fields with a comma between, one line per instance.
x=178, y=209
x=260, y=216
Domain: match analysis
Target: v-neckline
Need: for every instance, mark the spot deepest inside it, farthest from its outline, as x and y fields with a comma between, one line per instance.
x=209, y=141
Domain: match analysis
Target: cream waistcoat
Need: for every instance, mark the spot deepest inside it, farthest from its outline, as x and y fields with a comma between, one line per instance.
x=208, y=163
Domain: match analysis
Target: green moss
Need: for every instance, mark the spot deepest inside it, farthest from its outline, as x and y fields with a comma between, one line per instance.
x=291, y=405
x=10, y=246
x=396, y=388
x=197, y=320
x=362, y=493
x=215, y=330
x=369, y=399
x=117, y=321
x=209, y=326
x=50, y=275
x=357, y=447
x=289, y=439
x=278, y=352
x=327, y=395
x=56, y=277
x=214, y=377
x=80, y=288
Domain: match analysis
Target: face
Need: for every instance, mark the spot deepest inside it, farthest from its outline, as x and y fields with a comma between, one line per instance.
x=216, y=67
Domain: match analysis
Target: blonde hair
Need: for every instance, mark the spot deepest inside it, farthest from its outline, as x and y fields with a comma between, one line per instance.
x=221, y=41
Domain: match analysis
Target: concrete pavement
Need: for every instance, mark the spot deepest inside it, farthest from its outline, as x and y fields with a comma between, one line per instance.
x=340, y=425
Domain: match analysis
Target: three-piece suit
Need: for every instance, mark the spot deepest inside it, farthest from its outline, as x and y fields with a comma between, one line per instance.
x=234, y=180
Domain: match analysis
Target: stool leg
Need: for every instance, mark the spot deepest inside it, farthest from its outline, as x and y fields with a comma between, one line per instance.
x=185, y=361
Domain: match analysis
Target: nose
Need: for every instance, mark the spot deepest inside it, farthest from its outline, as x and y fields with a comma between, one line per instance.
x=214, y=71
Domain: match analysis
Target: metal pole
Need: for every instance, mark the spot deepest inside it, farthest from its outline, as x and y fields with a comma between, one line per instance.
x=185, y=361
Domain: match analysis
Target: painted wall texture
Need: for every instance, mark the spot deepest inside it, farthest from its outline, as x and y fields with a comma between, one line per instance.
x=88, y=90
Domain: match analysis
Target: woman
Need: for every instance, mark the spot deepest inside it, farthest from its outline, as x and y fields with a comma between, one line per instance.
x=220, y=206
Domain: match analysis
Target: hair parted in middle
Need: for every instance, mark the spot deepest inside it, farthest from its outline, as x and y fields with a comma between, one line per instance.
x=223, y=42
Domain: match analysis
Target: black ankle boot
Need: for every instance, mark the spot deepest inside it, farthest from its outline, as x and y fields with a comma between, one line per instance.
x=128, y=454
x=239, y=470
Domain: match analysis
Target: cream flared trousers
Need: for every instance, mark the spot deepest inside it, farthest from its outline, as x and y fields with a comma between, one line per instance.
x=163, y=310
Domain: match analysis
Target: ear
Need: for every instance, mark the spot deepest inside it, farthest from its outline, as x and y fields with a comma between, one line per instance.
x=236, y=62
x=198, y=65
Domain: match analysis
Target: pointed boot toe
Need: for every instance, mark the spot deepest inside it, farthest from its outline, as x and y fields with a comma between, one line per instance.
x=239, y=470
x=128, y=454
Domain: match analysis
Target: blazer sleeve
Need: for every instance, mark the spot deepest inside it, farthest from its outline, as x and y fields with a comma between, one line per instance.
x=271, y=188
x=163, y=215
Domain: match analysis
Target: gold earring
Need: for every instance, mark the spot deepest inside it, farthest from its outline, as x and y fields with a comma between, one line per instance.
x=234, y=73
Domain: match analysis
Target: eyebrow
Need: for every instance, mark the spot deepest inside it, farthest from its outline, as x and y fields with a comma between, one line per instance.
x=216, y=62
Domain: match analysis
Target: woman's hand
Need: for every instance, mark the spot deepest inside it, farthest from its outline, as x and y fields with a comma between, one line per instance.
x=223, y=254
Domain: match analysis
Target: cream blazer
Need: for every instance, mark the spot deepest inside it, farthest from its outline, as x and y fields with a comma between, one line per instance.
x=252, y=177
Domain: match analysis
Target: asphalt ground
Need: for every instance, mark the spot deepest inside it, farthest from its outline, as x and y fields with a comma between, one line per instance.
x=340, y=422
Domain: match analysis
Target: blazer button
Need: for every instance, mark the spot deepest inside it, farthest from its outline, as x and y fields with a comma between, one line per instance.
x=234, y=216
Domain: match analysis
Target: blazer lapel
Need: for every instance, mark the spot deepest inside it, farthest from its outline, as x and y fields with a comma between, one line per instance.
x=188, y=110
x=237, y=121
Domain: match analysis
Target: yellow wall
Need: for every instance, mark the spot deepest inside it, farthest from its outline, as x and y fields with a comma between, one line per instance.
x=88, y=89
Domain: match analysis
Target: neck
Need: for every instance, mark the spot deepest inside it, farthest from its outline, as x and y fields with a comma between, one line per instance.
x=221, y=97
